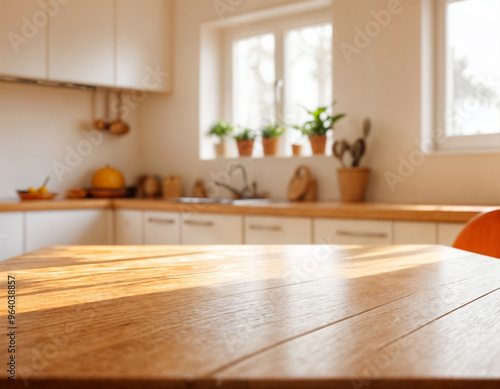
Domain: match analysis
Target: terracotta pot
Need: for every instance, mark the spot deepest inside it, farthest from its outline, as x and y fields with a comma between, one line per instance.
x=353, y=183
x=318, y=144
x=297, y=150
x=245, y=147
x=221, y=149
x=270, y=146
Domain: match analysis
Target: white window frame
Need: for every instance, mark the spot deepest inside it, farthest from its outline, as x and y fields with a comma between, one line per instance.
x=279, y=27
x=470, y=144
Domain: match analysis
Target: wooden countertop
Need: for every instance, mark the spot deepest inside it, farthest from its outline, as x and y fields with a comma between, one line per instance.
x=377, y=211
x=254, y=317
x=54, y=205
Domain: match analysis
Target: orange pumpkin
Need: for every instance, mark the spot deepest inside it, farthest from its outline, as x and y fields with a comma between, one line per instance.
x=108, y=178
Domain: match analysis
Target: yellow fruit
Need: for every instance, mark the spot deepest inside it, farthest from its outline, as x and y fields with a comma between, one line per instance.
x=43, y=190
x=32, y=191
x=108, y=178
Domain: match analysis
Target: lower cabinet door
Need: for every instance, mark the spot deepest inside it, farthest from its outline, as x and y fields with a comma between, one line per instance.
x=355, y=232
x=11, y=235
x=162, y=228
x=277, y=230
x=129, y=230
x=415, y=232
x=67, y=228
x=448, y=233
x=211, y=229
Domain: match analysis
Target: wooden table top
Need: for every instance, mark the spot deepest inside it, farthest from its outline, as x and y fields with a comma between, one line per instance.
x=254, y=317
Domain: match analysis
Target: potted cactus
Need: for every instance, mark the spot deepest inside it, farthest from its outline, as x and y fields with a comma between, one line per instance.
x=221, y=129
x=245, y=140
x=270, y=138
x=317, y=128
x=353, y=179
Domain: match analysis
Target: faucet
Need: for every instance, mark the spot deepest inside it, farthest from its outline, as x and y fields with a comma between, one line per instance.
x=246, y=192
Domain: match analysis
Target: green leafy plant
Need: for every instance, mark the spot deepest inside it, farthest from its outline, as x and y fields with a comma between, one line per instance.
x=320, y=124
x=273, y=130
x=221, y=129
x=246, y=134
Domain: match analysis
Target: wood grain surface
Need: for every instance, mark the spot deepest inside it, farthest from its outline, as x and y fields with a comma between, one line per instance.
x=376, y=211
x=54, y=205
x=255, y=317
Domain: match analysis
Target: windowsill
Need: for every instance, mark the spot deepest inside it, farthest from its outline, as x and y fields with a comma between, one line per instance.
x=275, y=157
x=461, y=145
x=463, y=152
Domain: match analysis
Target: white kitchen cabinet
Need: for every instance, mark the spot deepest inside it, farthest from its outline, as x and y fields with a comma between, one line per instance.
x=208, y=229
x=415, y=232
x=354, y=232
x=82, y=43
x=23, y=29
x=67, y=228
x=277, y=230
x=129, y=228
x=143, y=44
x=448, y=233
x=162, y=228
x=11, y=235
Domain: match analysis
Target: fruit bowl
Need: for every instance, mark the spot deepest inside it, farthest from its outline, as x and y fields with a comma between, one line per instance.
x=107, y=193
x=25, y=195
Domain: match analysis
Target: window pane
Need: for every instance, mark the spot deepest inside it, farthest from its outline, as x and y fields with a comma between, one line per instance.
x=473, y=67
x=308, y=67
x=254, y=79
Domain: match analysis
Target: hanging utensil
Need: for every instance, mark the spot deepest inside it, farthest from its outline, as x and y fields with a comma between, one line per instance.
x=118, y=126
x=102, y=124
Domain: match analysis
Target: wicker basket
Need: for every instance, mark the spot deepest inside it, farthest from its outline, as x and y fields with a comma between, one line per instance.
x=172, y=187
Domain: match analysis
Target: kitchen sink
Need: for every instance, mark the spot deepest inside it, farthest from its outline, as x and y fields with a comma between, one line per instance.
x=200, y=200
x=252, y=201
x=196, y=200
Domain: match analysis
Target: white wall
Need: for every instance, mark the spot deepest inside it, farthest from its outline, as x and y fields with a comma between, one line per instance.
x=385, y=80
x=37, y=124
x=382, y=82
x=170, y=123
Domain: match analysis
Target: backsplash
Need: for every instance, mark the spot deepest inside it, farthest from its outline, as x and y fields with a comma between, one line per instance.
x=44, y=132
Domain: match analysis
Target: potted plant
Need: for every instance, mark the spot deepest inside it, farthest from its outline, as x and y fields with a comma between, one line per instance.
x=245, y=141
x=353, y=179
x=317, y=128
x=297, y=142
x=270, y=138
x=221, y=129
x=296, y=150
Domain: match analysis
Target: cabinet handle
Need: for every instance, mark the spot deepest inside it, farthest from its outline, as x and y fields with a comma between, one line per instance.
x=197, y=223
x=265, y=228
x=374, y=235
x=161, y=221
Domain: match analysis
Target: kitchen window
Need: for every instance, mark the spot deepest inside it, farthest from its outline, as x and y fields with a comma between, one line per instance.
x=274, y=71
x=468, y=76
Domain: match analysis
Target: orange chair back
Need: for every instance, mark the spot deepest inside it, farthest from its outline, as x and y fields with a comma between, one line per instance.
x=481, y=235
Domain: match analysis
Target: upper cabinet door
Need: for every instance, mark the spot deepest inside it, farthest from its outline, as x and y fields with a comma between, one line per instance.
x=143, y=40
x=23, y=37
x=81, y=40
